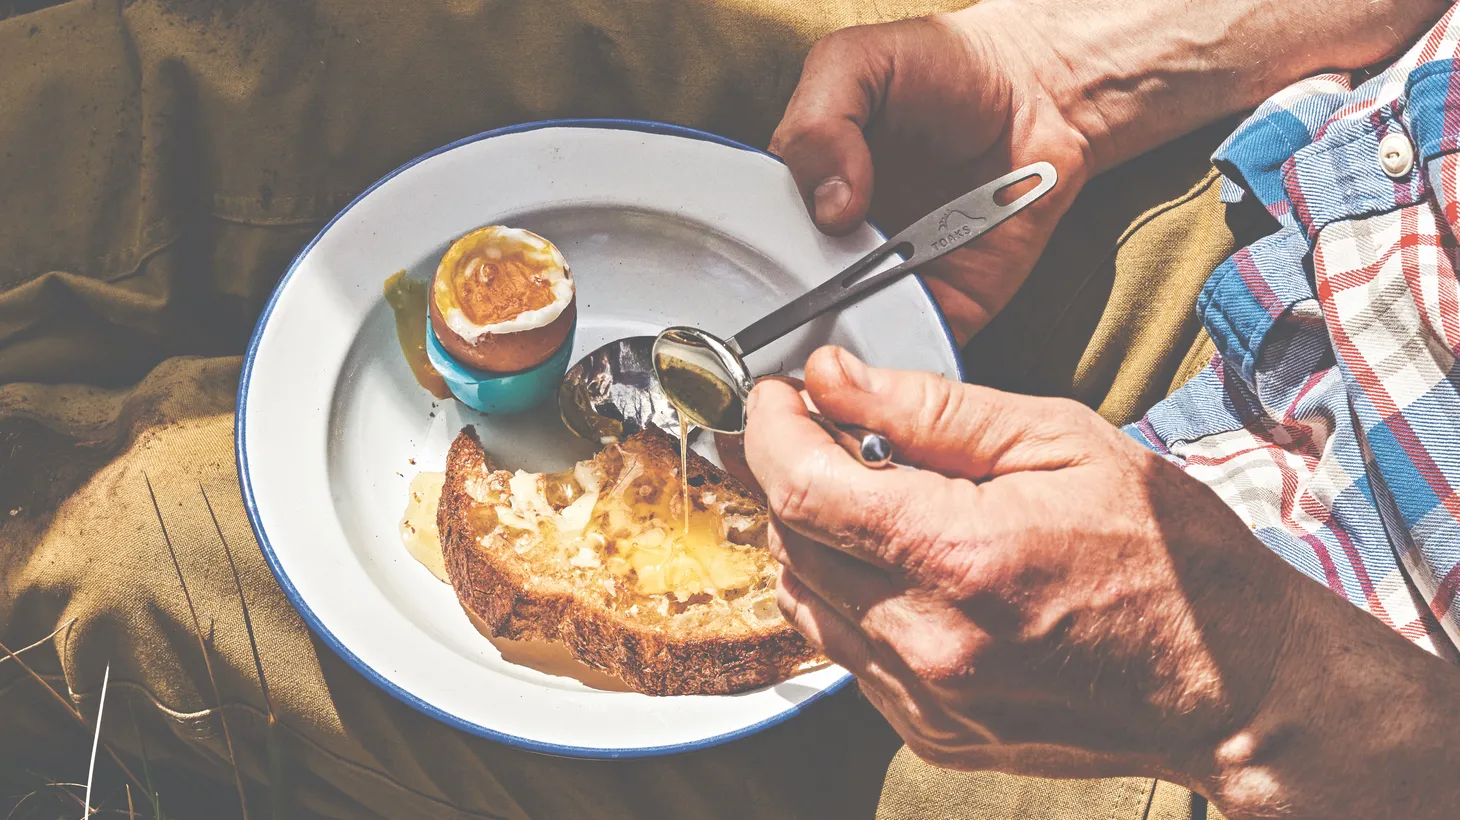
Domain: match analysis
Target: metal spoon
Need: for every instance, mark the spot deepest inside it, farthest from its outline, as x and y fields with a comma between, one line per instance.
x=615, y=390
x=709, y=385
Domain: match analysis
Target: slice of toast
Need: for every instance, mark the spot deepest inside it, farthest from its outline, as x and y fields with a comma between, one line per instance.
x=599, y=558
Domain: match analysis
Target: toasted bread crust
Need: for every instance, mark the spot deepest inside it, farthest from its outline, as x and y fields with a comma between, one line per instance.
x=495, y=588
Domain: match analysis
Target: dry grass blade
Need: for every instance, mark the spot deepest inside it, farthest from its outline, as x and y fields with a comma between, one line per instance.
x=131, y=812
x=142, y=753
x=276, y=767
x=95, y=742
x=57, y=631
x=202, y=645
x=253, y=645
x=47, y=788
x=70, y=709
x=42, y=681
x=21, y=802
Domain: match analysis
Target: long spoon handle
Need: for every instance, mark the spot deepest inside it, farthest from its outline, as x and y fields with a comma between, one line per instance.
x=951, y=226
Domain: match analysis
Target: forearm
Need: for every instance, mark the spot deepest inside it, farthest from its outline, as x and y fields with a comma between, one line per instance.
x=1359, y=723
x=1133, y=74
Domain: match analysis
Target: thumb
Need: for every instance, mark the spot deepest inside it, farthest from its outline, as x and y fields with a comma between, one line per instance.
x=958, y=430
x=820, y=136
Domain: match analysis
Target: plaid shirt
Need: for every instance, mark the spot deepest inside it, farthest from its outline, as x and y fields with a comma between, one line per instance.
x=1330, y=418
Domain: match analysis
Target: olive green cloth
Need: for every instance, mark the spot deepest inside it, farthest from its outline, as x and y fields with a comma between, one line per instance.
x=160, y=163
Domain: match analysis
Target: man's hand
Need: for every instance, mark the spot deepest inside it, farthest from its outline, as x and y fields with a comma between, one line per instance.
x=1045, y=596
x=932, y=108
x=890, y=121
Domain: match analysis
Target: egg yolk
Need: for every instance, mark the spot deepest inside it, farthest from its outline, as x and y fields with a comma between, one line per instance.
x=497, y=290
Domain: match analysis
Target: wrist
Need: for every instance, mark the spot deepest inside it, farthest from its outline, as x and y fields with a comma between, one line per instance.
x=1130, y=75
x=1357, y=722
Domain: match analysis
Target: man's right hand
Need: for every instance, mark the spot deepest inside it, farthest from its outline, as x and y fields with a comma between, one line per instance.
x=1039, y=594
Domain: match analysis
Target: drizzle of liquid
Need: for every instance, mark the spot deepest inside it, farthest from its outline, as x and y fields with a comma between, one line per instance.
x=699, y=399
x=407, y=298
x=419, y=534
x=684, y=431
x=637, y=520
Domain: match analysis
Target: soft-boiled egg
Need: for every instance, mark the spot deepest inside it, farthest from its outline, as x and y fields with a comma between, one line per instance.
x=502, y=300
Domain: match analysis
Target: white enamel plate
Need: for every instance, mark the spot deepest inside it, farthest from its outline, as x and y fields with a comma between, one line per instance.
x=661, y=226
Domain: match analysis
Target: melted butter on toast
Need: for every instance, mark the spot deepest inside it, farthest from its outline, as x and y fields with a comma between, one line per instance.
x=423, y=541
x=624, y=516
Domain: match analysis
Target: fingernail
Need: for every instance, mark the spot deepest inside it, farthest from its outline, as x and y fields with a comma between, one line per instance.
x=751, y=400
x=855, y=371
x=832, y=198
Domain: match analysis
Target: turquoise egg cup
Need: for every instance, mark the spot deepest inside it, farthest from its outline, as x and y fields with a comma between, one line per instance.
x=500, y=393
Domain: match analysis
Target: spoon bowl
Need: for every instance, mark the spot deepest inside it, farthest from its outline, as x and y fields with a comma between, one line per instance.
x=703, y=378
x=709, y=384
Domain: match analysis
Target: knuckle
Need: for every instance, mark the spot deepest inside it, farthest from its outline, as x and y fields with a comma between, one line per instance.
x=795, y=497
x=787, y=605
x=791, y=501
x=790, y=132
x=893, y=530
x=1065, y=407
x=939, y=659
x=776, y=546
x=788, y=601
x=1078, y=417
x=955, y=570
x=798, y=141
x=883, y=516
x=940, y=408
x=822, y=49
x=835, y=45
x=790, y=609
x=806, y=128
x=1099, y=435
x=913, y=531
x=943, y=564
x=934, y=667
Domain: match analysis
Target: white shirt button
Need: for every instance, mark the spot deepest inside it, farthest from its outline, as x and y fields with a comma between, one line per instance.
x=1396, y=155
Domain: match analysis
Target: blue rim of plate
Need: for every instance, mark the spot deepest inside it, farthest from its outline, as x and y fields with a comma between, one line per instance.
x=246, y=485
